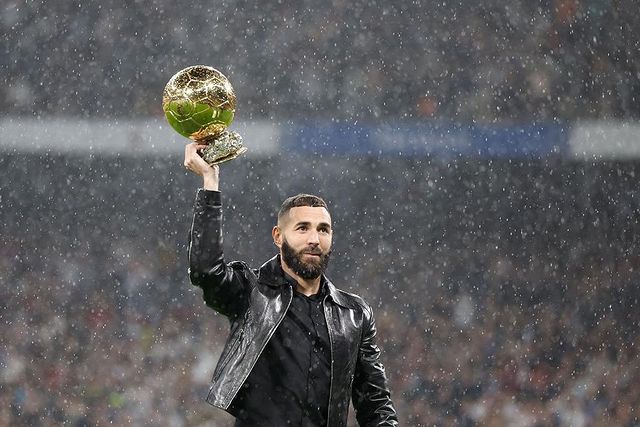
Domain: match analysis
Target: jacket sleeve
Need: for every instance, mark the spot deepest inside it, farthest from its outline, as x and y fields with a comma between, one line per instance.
x=370, y=393
x=223, y=287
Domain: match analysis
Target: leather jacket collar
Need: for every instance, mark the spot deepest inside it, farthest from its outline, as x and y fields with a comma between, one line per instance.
x=270, y=274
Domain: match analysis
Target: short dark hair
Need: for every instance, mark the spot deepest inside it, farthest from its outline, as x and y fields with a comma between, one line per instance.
x=300, y=200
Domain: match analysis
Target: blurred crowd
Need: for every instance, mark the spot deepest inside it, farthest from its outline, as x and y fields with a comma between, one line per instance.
x=363, y=60
x=506, y=294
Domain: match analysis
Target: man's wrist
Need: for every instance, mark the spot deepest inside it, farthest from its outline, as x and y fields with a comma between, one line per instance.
x=210, y=182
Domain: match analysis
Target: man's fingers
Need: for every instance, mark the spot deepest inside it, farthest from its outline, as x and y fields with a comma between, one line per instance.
x=198, y=147
x=193, y=149
x=190, y=149
x=194, y=161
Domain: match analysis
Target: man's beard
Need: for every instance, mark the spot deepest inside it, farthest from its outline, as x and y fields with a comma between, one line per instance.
x=306, y=270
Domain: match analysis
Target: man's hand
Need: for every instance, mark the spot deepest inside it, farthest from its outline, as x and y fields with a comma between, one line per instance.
x=195, y=163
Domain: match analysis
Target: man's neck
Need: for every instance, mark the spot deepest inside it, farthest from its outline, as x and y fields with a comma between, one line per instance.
x=305, y=287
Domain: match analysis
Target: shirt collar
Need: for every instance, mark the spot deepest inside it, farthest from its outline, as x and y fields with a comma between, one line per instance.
x=271, y=274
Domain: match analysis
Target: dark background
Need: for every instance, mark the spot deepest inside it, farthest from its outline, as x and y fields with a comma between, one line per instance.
x=494, y=282
x=505, y=289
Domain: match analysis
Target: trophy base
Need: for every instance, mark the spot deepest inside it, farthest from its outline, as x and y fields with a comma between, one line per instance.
x=222, y=148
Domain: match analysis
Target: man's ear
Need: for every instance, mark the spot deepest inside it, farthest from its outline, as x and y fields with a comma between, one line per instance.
x=276, y=233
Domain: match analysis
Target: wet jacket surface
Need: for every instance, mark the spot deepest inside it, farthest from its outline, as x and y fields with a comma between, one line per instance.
x=255, y=302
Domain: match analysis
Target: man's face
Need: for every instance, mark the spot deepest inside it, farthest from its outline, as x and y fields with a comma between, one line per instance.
x=304, y=238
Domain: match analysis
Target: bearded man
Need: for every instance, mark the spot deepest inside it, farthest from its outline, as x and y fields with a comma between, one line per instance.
x=299, y=349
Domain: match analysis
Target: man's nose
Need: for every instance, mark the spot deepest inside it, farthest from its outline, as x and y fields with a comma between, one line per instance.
x=313, y=238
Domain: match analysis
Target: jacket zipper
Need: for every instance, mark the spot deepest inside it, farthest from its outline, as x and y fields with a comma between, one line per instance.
x=284, y=313
x=232, y=350
x=193, y=221
x=326, y=320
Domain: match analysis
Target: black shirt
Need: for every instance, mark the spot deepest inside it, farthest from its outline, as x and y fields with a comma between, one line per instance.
x=289, y=385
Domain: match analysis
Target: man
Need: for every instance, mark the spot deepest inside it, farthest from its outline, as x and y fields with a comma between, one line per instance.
x=298, y=348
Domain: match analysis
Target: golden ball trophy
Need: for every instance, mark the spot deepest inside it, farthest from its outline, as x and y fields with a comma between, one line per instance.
x=200, y=103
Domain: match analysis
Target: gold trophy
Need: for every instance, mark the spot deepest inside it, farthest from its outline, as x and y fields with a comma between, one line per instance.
x=199, y=103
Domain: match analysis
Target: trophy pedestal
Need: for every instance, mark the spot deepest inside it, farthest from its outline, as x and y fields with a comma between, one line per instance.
x=222, y=148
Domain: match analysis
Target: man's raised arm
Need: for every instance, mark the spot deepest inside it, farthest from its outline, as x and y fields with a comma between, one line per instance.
x=222, y=289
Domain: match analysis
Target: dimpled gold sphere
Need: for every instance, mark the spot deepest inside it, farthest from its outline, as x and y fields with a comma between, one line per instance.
x=199, y=102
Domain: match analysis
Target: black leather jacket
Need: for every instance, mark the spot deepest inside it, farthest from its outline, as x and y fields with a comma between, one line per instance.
x=255, y=303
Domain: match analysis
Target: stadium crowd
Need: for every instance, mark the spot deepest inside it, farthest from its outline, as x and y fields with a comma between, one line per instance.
x=359, y=60
x=505, y=294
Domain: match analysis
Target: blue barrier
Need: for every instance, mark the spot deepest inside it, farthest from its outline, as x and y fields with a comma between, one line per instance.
x=433, y=139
